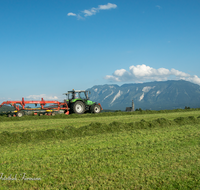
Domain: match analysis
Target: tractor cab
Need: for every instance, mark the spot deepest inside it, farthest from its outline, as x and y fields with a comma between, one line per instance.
x=77, y=94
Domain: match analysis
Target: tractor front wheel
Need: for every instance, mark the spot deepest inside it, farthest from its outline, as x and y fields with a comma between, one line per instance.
x=96, y=108
x=79, y=107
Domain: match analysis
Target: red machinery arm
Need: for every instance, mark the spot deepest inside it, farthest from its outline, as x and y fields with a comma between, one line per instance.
x=42, y=103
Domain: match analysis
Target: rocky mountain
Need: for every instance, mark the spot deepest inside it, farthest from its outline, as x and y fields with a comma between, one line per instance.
x=152, y=95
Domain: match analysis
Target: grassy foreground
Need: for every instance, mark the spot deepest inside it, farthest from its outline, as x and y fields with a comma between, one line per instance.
x=149, y=154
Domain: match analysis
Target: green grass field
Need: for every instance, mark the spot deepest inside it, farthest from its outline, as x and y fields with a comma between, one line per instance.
x=52, y=123
x=110, y=152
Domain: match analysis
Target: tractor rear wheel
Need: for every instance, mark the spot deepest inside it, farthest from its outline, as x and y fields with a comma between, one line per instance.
x=20, y=113
x=96, y=108
x=79, y=107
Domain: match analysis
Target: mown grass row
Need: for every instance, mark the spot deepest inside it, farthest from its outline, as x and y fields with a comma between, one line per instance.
x=90, y=130
x=45, y=124
x=89, y=115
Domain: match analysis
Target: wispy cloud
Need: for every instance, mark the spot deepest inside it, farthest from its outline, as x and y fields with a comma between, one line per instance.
x=71, y=14
x=158, y=6
x=93, y=10
x=108, y=6
x=90, y=12
x=38, y=97
x=143, y=73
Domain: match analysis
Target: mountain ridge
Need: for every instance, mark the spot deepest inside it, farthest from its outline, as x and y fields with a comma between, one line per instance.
x=156, y=95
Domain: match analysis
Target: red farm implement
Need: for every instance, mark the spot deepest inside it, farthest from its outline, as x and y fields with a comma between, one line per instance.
x=44, y=109
x=77, y=102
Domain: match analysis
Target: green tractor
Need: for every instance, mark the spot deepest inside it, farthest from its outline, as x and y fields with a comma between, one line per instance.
x=78, y=102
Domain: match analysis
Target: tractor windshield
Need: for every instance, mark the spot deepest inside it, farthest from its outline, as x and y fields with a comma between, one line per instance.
x=82, y=95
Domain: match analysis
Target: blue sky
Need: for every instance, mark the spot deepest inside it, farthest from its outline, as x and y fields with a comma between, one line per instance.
x=48, y=47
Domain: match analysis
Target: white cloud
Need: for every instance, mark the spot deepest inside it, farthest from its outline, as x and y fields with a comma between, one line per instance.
x=195, y=79
x=44, y=96
x=93, y=11
x=90, y=12
x=179, y=73
x=71, y=14
x=158, y=6
x=142, y=73
x=108, y=6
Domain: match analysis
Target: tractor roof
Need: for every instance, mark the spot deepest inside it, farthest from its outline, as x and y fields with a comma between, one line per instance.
x=77, y=91
x=69, y=92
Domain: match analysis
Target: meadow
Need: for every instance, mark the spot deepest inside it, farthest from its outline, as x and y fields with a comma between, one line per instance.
x=106, y=151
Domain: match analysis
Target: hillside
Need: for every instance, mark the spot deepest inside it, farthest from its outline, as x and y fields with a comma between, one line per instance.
x=152, y=95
